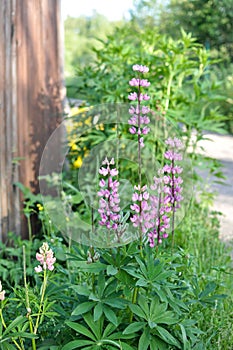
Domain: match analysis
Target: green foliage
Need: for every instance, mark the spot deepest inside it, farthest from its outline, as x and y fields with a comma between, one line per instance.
x=179, y=75
x=129, y=299
x=81, y=35
x=210, y=22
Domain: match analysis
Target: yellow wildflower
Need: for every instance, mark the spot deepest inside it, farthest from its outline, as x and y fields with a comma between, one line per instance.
x=40, y=207
x=78, y=162
x=73, y=146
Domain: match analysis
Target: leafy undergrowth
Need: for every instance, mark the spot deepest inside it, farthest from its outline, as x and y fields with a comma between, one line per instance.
x=126, y=297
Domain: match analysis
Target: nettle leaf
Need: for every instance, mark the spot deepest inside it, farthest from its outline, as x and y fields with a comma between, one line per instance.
x=83, y=308
x=134, y=327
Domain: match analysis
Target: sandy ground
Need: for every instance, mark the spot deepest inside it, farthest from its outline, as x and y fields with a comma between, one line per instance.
x=221, y=148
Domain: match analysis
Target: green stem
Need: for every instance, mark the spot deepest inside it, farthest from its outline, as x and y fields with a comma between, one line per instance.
x=93, y=282
x=134, y=300
x=2, y=319
x=173, y=209
x=167, y=101
x=29, y=228
x=27, y=298
x=41, y=302
x=4, y=325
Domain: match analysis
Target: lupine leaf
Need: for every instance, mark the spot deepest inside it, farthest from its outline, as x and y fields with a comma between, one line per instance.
x=83, y=308
x=134, y=327
x=75, y=344
x=80, y=329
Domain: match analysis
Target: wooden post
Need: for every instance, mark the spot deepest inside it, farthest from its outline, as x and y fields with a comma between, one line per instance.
x=31, y=95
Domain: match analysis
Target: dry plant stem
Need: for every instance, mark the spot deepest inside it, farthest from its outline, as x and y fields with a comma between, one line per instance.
x=27, y=297
x=41, y=302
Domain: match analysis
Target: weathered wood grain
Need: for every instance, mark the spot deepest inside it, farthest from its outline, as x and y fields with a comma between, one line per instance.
x=31, y=88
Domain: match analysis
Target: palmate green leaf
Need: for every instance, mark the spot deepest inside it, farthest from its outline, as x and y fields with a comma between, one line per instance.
x=95, y=267
x=16, y=322
x=159, y=313
x=116, y=303
x=125, y=277
x=144, y=340
x=210, y=288
x=142, y=302
x=157, y=344
x=80, y=329
x=111, y=288
x=109, y=329
x=81, y=290
x=142, y=266
x=7, y=346
x=137, y=311
x=167, y=337
x=111, y=270
x=24, y=335
x=83, y=308
x=101, y=285
x=75, y=344
x=184, y=337
x=134, y=327
x=142, y=282
x=125, y=346
x=110, y=315
x=96, y=327
x=98, y=311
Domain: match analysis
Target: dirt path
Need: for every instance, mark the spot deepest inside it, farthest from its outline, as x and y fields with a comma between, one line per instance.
x=221, y=148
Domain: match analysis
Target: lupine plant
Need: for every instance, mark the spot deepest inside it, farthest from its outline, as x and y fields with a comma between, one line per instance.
x=140, y=295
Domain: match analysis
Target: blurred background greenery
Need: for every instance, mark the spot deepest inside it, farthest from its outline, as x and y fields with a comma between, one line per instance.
x=98, y=48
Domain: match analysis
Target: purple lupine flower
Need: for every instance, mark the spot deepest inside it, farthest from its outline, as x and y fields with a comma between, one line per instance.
x=140, y=68
x=168, y=187
x=174, y=171
x=141, y=209
x=139, y=113
x=109, y=201
x=160, y=204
